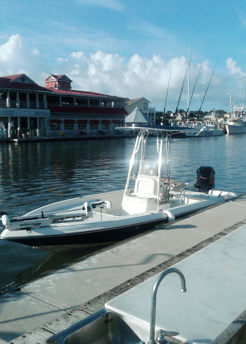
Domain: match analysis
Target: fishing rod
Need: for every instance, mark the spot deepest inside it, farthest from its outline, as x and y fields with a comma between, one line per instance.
x=181, y=91
x=168, y=88
x=208, y=85
x=194, y=88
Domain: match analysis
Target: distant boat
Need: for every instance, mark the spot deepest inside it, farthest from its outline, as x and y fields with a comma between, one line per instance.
x=206, y=129
x=236, y=122
x=200, y=129
x=235, y=125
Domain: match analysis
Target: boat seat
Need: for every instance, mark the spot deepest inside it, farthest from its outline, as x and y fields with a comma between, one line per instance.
x=143, y=198
x=146, y=186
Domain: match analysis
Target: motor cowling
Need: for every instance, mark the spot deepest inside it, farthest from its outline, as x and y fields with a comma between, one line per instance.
x=205, y=178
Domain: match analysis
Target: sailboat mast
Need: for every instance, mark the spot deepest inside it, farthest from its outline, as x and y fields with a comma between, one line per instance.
x=167, y=89
x=181, y=91
x=188, y=92
x=194, y=87
x=208, y=85
x=230, y=101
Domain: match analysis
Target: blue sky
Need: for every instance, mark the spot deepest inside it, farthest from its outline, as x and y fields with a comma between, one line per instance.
x=130, y=48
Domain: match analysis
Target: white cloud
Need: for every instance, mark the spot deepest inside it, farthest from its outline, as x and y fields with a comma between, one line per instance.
x=16, y=57
x=236, y=73
x=112, y=74
x=234, y=69
x=140, y=76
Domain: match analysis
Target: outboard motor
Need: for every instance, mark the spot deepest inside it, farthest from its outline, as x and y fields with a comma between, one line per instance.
x=205, y=178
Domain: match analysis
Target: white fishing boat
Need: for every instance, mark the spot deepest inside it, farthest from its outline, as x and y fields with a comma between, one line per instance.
x=235, y=125
x=150, y=197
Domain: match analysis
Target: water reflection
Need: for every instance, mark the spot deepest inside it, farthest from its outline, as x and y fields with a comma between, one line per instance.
x=39, y=173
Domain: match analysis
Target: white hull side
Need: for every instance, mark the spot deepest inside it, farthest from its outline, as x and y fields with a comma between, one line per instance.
x=235, y=129
x=105, y=227
x=205, y=133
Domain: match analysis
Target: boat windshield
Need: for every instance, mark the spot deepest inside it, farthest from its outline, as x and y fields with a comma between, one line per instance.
x=149, y=167
x=150, y=157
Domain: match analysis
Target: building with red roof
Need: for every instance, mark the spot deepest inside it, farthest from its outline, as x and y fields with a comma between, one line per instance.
x=27, y=109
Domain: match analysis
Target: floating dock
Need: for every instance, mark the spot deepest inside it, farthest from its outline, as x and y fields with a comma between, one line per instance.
x=208, y=247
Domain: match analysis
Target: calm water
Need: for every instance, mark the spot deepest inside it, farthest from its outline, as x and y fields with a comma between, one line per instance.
x=35, y=174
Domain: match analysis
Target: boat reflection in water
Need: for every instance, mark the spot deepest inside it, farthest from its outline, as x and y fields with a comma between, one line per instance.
x=150, y=197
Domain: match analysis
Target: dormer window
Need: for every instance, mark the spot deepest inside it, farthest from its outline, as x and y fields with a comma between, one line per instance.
x=61, y=82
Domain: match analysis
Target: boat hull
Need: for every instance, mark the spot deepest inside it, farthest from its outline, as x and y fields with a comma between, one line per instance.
x=89, y=238
x=95, y=231
x=235, y=129
x=205, y=133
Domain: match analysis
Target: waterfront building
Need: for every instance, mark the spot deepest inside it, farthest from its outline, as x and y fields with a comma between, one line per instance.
x=143, y=105
x=27, y=109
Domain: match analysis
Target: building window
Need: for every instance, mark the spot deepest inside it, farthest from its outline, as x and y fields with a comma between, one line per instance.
x=117, y=123
x=82, y=126
x=68, y=126
x=105, y=126
x=55, y=125
x=145, y=106
x=94, y=126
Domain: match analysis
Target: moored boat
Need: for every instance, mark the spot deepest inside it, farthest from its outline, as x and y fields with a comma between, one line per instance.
x=205, y=129
x=150, y=197
x=236, y=123
x=235, y=126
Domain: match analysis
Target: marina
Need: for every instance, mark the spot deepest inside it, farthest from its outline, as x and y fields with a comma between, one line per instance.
x=122, y=173
x=150, y=197
x=65, y=178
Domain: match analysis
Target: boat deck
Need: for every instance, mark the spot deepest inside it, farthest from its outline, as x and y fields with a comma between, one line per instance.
x=207, y=247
